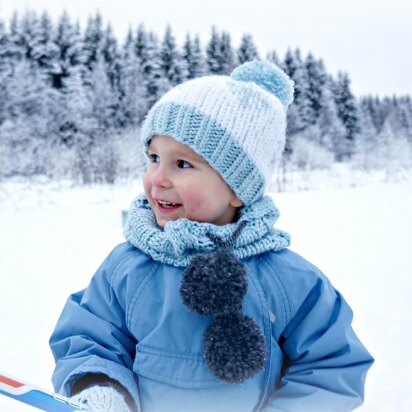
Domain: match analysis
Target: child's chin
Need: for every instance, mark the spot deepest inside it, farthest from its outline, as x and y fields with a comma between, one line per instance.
x=162, y=222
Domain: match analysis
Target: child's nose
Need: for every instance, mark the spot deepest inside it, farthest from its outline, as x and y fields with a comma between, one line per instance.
x=161, y=177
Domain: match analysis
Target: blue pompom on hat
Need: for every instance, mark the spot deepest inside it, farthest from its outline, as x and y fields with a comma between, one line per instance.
x=237, y=123
x=268, y=76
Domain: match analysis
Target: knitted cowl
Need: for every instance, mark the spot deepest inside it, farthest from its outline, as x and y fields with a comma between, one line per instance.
x=182, y=240
x=215, y=282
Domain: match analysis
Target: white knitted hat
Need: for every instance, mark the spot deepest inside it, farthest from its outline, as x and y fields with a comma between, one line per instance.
x=236, y=123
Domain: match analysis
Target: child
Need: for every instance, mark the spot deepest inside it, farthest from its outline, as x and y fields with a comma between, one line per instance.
x=205, y=308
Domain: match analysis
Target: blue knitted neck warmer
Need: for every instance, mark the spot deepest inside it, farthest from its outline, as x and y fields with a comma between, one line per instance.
x=182, y=240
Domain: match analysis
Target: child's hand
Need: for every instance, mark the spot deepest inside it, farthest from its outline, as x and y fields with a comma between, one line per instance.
x=102, y=399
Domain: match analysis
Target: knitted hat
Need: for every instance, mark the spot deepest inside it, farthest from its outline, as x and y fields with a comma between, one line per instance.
x=237, y=123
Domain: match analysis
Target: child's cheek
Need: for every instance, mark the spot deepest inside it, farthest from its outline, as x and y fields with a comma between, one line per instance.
x=147, y=187
x=192, y=199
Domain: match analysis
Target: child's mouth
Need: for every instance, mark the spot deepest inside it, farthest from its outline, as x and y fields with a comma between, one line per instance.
x=167, y=206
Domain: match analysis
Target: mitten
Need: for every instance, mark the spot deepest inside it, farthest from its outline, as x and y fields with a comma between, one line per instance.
x=100, y=398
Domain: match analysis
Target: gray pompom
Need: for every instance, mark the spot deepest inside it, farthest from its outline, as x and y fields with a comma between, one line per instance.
x=214, y=283
x=234, y=348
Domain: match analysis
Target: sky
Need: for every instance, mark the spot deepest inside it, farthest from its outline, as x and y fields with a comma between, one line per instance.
x=371, y=40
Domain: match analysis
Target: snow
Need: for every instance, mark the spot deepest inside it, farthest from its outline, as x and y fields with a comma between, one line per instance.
x=52, y=239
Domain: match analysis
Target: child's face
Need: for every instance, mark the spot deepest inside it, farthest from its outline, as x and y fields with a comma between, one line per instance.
x=181, y=184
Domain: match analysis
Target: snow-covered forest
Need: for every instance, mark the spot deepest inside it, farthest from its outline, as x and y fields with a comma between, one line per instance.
x=72, y=101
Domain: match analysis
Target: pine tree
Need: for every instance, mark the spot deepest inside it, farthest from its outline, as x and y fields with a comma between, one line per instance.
x=299, y=113
x=292, y=62
x=366, y=141
x=332, y=132
x=128, y=45
x=70, y=50
x=24, y=91
x=93, y=40
x=132, y=89
x=221, y=58
x=400, y=116
x=174, y=67
x=103, y=99
x=5, y=71
x=399, y=147
x=30, y=33
x=347, y=109
x=229, y=59
x=372, y=106
x=79, y=129
x=24, y=133
x=105, y=103
x=3, y=48
x=141, y=43
x=145, y=51
x=111, y=56
x=247, y=50
x=15, y=50
x=46, y=52
x=192, y=53
x=155, y=82
x=408, y=115
x=213, y=53
x=274, y=58
x=316, y=76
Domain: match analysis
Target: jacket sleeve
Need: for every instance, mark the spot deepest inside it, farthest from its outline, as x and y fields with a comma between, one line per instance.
x=91, y=336
x=325, y=364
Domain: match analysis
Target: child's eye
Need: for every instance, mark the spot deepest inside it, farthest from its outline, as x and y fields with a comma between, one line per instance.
x=183, y=164
x=154, y=158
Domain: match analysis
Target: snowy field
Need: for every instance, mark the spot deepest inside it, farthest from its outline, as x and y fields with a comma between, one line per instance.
x=52, y=240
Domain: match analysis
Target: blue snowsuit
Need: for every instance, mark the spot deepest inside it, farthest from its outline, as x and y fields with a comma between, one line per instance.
x=131, y=325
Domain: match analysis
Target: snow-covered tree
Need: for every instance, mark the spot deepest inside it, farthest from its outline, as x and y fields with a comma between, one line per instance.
x=213, y=53
x=273, y=57
x=308, y=154
x=332, y=132
x=133, y=105
x=3, y=46
x=192, y=53
x=27, y=131
x=80, y=126
x=15, y=48
x=132, y=88
x=111, y=55
x=104, y=99
x=229, y=58
x=93, y=40
x=46, y=52
x=30, y=33
x=147, y=50
x=70, y=50
x=128, y=45
x=400, y=116
x=316, y=77
x=299, y=113
x=5, y=70
x=347, y=108
x=221, y=57
x=393, y=153
x=366, y=142
x=173, y=65
x=156, y=84
x=247, y=50
x=379, y=111
x=141, y=43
